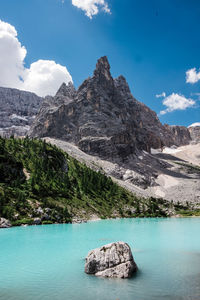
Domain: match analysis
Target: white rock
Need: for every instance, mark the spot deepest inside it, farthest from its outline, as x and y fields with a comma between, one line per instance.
x=4, y=223
x=112, y=260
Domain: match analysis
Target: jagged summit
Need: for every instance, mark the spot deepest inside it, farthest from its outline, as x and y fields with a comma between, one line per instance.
x=67, y=90
x=102, y=78
x=103, y=118
x=102, y=67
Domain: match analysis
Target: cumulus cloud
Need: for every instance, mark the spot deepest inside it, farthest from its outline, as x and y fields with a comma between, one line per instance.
x=161, y=95
x=12, y=55
x=192, y=76
x=91, y=7
x=176, y=102
x=43, y=77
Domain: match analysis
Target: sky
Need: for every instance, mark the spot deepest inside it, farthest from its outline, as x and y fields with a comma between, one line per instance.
x=155, y=44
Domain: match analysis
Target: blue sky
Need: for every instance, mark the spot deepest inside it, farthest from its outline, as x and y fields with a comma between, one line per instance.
x=151, y=42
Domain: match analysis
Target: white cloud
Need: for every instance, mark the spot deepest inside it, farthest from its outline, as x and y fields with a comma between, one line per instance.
x=12, y=56
x=192, y=76
x=196, y=95
x=176, y=102
x=43, y=77
x=91, y=7
x=194, y=125
x=161, y=95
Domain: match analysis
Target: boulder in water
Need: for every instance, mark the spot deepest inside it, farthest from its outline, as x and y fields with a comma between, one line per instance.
x=112, y=260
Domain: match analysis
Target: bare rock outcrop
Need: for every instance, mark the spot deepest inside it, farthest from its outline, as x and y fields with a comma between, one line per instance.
x=180, y=135
x=18, y=110
x=4, y=223
x=195, y=133
x=103, y=118
x=112, y=260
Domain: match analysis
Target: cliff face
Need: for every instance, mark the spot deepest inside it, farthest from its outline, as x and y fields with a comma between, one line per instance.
x=18, y=109
x=180, y=135
x=103, y=118
x=195, y=133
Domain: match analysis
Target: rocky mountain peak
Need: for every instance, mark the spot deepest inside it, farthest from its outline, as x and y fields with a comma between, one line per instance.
x=66, y=90
x=102, y=69
x=104, y=118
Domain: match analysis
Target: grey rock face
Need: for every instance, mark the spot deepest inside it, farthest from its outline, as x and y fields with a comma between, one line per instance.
x=103, y=118
x=4, y=223
x=195, y=133
x=66, y=90
x=180, y=135
x=37, y=221
x=18, y=110
x=112, y=260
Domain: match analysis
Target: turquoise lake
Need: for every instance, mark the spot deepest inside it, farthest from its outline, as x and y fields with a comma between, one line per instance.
x=47, y=262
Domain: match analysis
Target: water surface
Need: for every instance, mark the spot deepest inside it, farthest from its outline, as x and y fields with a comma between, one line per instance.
x=47, y=262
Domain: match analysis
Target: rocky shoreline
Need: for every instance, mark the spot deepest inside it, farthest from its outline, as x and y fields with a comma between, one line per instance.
x=5, y=223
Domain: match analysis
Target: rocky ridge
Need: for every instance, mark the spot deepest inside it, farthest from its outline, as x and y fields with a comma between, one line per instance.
x=18, y=110
x=103, y=118
x=195, y=133
x=104, y=126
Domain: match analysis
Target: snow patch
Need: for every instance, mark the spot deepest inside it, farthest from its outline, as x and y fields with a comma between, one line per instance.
x=171, y=150
x=155, y=151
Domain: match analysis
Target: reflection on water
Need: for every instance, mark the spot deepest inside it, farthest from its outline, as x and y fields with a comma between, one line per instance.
x=47, y=262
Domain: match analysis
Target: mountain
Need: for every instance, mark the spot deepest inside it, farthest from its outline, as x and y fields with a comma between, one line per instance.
x=103, y=118
x=105, y=115
x=100, y=130
x=18, y=110
x=104, y=126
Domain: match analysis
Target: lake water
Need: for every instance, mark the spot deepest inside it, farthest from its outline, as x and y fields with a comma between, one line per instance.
x=47, y=262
